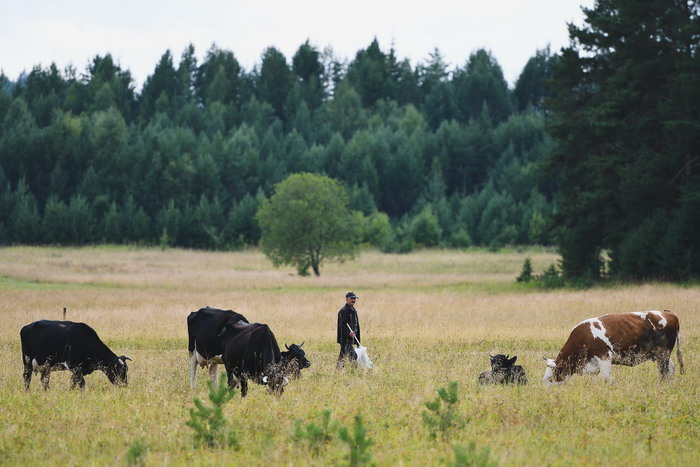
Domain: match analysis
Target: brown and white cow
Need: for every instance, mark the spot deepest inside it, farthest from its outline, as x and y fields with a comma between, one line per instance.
x=628, y=339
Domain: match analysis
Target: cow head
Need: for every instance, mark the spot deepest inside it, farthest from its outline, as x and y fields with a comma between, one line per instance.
x=117, y=372
x=501, y=362
x=553, y=373
x=295, y=352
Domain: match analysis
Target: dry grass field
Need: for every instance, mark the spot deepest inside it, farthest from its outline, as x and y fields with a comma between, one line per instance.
x=427, y=318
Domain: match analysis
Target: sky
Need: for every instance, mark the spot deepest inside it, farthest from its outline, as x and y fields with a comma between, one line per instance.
x=138, y=32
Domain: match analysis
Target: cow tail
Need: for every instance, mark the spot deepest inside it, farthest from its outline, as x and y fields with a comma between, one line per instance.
x=678, y=352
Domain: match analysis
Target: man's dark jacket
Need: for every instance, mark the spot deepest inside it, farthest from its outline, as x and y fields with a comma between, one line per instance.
x=348, y=315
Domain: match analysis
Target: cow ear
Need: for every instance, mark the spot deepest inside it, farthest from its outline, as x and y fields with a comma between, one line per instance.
x=512, y=360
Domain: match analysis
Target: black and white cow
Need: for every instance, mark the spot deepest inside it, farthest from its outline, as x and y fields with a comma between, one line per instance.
x=251, y=352
x=294, y=360
x=596, y=344
x=503, y=371
x=65, y=345
x=205, y=346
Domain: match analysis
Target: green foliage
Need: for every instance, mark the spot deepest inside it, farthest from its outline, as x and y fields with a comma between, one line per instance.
x=468, y=456
x=315, y=435
x=425, y=228
x=87, y=160
x=624, y=142
x=526, y=272
x=378, y=231
x=136, y=453
x=442, y=417
x=358, y=443
x=551, y=278
x=307, y=222
x=211, y=429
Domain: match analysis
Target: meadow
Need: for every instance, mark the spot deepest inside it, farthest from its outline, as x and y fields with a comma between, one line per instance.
x=428, y=318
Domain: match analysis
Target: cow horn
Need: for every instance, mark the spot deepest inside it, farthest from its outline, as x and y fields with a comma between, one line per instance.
x=285, y=344
x=301, y=345
x=124, y=357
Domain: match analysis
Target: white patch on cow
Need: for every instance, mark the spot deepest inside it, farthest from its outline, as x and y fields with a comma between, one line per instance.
x=549, y=372
x=645, y=315
x=662, y=318
x=65, y=365
x=599, y=331
x=27, y=359
x=605, y=369
x=35, y=364
x=592, y=366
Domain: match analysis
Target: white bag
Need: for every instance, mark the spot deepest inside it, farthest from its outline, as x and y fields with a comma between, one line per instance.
x=361, y=352
x=363, y=358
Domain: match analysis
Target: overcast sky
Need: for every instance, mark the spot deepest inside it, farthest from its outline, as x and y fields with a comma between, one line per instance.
x=138, y=32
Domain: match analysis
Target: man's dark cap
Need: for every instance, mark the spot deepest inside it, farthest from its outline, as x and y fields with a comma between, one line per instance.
x=351, y=295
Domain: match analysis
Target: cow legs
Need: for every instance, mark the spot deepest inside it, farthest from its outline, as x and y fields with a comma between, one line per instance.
x=244, y=386
x=45, y=372
x=193, y=368
x=667, y=369
x=606, y=369
x=598, y=365
x=27, y=373
x=78, y=379
x=214, y=373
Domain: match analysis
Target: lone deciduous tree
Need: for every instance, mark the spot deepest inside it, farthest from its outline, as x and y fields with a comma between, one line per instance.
x=308, y=221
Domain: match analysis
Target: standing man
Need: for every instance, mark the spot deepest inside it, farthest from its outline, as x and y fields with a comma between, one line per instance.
x=347, y=316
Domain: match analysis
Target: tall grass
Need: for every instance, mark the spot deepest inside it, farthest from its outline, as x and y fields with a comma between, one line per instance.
x=428, y=318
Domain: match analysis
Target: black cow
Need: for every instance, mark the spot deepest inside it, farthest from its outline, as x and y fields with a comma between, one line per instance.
x=503, y=371
x=205, y=346
x=251, y=351
x=65, y=345
x=293, y=360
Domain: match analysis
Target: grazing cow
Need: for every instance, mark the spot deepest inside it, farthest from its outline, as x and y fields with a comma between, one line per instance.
x=65, y=345
x=503, y=371
x=251, y=351
x=628, y=339
x=294, y=360
x=205, y=346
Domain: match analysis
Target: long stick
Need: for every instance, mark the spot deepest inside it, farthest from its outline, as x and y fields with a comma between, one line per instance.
x=358, y=342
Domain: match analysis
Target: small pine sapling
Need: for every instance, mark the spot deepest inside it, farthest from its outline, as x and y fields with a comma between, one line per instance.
x=209, y=424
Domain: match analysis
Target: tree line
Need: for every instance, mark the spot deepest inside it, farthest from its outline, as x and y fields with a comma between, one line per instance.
x=594, y=148
x=431, y=156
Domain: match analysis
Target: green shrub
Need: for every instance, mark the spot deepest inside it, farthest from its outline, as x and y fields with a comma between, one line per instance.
x=526, y=272
x=211, y=429
x=136, y=452
x=442, y=417
x=316, y=436
x=467, y=456
x=358, y=442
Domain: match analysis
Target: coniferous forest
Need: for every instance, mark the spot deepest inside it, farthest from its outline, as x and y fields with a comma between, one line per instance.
x=595, y=148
